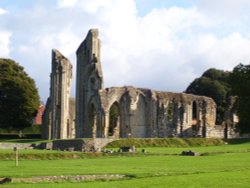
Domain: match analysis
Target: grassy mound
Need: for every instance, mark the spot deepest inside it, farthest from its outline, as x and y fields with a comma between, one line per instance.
x=166, y=142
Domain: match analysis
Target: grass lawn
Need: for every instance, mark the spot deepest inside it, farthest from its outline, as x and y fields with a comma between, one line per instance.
x=222, y=166
x=200, y=180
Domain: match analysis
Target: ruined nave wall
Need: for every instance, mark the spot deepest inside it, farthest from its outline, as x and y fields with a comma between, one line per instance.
x=147, y=113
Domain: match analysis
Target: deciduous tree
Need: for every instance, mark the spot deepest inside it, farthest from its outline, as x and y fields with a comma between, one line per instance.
x=19, y=99
x=240, y=82
x=215, y=84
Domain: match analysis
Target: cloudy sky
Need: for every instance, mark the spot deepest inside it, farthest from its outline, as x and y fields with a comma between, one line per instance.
x=158, y=44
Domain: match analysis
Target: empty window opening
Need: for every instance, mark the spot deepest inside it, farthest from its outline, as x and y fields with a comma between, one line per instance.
x=114, y=118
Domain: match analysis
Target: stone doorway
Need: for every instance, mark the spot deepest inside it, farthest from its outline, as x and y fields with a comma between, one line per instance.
x=195, y=125
x=114, y=121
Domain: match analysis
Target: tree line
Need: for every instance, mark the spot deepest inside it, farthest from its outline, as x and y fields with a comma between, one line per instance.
x=221, y=86
x=19, y=99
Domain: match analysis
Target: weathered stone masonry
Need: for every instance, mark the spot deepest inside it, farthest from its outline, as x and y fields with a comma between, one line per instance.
x=57, y=121
x=119, y=112
x=145, y=113
x=138, y=112
x=89, y=81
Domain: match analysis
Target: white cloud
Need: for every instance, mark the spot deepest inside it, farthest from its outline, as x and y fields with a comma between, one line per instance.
x=4, y=43
x=2, y=11
x=165, y=49
x=66, y=3
x=4, y=38
x=228, y=51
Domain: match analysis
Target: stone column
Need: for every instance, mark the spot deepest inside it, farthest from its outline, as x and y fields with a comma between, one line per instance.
x=94, y=126
x=106, y=124
x=88, y=82
x=60, y=81
x=204, y=126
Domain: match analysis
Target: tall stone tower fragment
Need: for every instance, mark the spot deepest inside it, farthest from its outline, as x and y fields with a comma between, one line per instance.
x=88, y=82
x=57, y=119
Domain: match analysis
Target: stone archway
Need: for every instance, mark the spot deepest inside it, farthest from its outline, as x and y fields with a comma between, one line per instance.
x=195, y=124
x=114, y=121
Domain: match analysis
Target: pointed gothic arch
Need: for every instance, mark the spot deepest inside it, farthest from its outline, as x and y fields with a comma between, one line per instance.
x=114, y=120
x=195, y=120
x=194, y=111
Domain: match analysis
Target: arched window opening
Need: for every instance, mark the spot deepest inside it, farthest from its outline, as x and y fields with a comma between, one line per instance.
x=195, y=125
x=170, y=112
x=194, y=111
x=114, y=119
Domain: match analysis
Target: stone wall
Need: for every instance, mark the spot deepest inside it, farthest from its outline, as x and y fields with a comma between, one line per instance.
x=46, y=121
x=85, y=145
x=44, y=145
x=119, y=112
x=88, y=81
x=71, y=127
x=147, y=113
x=58, y=123
x=135, y=112
x=18, y=146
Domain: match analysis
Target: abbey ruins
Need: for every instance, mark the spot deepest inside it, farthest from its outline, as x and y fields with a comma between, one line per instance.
x=120, y=112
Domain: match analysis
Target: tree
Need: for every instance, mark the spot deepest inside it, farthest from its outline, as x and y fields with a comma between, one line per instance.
x=19, y=99
x=240, y=82
x=215, y=84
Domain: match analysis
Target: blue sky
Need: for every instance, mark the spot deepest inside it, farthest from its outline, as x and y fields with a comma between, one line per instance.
x=145, y=6
x=158, y=44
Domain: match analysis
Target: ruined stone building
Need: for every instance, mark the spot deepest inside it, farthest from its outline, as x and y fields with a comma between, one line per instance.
x=58, y=118
x=119, y=112
x=133, y=112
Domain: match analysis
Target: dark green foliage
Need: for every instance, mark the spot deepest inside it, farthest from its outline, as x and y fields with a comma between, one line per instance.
x=215, y=84
x=34, y=129
x=19, y=99
x=240, y=81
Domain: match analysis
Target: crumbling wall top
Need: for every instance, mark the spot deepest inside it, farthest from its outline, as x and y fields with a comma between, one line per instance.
x=59, y=60
x=115, y=94
x=92, y=34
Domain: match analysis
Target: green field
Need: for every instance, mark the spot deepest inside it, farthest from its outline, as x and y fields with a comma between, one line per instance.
x=219, y=166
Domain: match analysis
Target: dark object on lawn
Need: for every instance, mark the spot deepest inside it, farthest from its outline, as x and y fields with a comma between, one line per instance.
x=127, y=149
x=190, y=153
x=5, y=180
x=143, y=150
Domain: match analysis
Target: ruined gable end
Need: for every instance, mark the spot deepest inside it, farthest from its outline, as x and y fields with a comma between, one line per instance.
x=57, y=121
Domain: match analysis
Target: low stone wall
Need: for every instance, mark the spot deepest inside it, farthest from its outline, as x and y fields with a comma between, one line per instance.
x=73, y=145
x=85, y=145
x=219, y=132
x=216, y=132
x=99, y=143
x=19, y=146
x=77, y=178
x=44, y=145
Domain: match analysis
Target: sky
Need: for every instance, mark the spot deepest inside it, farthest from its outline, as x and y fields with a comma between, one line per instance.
x=159, y=44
